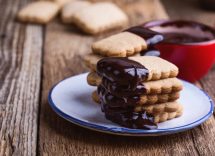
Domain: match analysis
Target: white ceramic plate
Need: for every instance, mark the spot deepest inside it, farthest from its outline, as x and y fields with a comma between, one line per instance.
x=71, y=99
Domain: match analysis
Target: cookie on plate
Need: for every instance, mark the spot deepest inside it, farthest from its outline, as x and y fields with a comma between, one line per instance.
x=137, y=92
x=157, y=67
x=148, y=99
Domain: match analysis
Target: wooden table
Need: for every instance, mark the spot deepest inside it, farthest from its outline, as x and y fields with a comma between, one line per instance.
x=34, y=57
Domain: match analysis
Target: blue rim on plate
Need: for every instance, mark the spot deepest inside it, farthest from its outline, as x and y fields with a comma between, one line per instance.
x=129, y=131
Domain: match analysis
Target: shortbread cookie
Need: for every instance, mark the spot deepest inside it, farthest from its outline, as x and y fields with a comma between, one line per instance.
x=71, y=8
x=149, y=99
x=95, y=97
x=40, y=12
x=160, y=108
x=167, y=116
x=163, y=86
x=90, y=60
x=100, y=17
x=158, y=67
x=62, y=3
x=93, y=79
x=158, y=98
x=120, y=45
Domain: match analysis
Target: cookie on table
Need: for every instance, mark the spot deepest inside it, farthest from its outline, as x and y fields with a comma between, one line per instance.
x=62, y=2
x=121, y=45
x=40, y=12
x=100, y=17
x=71, y=8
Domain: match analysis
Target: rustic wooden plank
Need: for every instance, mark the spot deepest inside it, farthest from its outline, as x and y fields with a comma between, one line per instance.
x=188, y=9
x=20, y=73
x=203, y=136
x=63, y=49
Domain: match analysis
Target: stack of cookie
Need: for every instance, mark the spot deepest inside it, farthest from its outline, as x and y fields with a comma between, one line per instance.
x=136, y=85
x=131, y=42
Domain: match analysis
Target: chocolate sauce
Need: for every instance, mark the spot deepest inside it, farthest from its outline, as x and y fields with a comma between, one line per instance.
x=114, y=101
x=122, y=71
x=139, y=120
x=120, y=92
x=180, y=38
x=183, y=38
x=123, y=90
x=150, y=36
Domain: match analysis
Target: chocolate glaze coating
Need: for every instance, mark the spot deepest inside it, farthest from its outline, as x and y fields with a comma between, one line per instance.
x=123, y=90
x=120, y=92
x=122, y=71
x=172, y=37
x=150, y=36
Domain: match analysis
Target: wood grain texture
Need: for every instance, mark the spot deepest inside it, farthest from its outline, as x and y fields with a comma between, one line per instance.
x=63, y=49
x=190, y=10
x=20, y=73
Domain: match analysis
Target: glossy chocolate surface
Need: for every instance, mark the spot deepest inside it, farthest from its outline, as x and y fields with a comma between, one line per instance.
x=140, y=120
x=123, y=90
x=182, y=37
x=154, y=37
x=150, y=36
x=120, y=92
x=122, y=71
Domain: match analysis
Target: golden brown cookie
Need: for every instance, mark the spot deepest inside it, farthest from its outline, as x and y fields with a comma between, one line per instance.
x=159, y=98
x=95, y=97
x=163, y=86
x=161, y=112
x=152, y=99
x=160, y=108
x=167, y=116
x=158, y=68
x=62, y=3
x=93, y=79
x=40, y=12
x=99, y=17
x=119, y=45
x=71, y=8
x=90, y=60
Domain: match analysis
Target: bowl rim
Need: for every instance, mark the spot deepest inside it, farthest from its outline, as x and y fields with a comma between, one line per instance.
x=154, y=23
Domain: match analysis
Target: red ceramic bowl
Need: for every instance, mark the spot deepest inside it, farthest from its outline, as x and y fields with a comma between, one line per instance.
x=193, y=59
